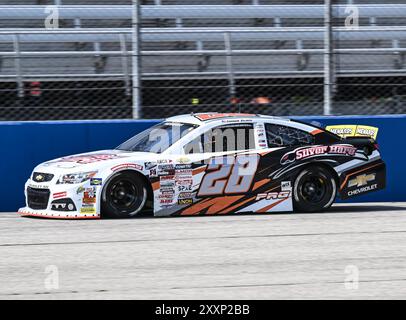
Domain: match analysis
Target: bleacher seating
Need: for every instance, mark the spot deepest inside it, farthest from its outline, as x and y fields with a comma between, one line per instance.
x=299, y=40
x=277, y=49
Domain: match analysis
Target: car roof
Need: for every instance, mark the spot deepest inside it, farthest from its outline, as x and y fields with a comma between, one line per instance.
x=213, y=118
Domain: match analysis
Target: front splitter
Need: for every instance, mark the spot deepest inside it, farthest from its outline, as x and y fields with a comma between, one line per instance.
x=24, y=212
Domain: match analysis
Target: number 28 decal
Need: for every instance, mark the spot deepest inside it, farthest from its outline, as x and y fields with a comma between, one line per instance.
x=229, y=175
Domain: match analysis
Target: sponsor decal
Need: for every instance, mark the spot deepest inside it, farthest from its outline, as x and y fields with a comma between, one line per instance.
x=210, y=116
x=366, y=131
x=362, y=180
x=184, y=182
x=168, y=184
x=183, y=178
x=166, y=201
x=182, y=172
x=60, y=195
x=273, y=195
x=308, y=152
x=362, y=190
x=96, y=181
x=162, y=161
x=343, y=149
x=345, y=131
x=167, y=181
x=153, y=173
x=260, y=136
x=231, y=121
x=80, y=190
x=37, y=186
x=127, y=166
x=88, y=210
x=89, y=196
x=183, y=166
x=88, y=159
x=185, y=188
x=166, y=173
x=286, y=186
x=166, y=170
x=166, y=196
x=183, y=160
x=150, y=165
x=165, y=167
x=167, y=178
x=185, y=201
x=168, y=192
x=167, y=189
x=185, y=195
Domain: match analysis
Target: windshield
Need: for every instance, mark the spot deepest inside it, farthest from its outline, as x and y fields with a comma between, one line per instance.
x=158, y=138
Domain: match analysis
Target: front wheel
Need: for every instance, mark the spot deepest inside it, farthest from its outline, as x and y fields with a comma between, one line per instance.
x=124, y=196
x=315, y=190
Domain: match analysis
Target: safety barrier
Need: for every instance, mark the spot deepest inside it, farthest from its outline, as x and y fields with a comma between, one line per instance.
x=26, y=144
x=199, y=11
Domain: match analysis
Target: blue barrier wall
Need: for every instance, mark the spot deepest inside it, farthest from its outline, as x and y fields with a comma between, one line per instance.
x=26, y=144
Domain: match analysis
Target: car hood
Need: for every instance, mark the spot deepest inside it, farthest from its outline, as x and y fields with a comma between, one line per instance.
x=95, y=160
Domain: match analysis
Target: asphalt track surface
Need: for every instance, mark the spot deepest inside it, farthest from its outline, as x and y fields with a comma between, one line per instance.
x=284, y=256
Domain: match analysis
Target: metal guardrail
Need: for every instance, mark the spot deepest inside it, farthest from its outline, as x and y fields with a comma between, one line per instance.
x=206, y=34
x=200, y=11
x=124, y=36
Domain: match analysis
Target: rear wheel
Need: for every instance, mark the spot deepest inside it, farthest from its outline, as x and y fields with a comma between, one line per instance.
x=124, y=196
x=315, y=190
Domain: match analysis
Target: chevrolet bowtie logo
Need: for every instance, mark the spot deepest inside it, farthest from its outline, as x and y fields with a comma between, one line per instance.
x=39, y=177
x=361, y=181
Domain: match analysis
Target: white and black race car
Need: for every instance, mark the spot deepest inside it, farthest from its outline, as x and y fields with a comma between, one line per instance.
x=212, y=163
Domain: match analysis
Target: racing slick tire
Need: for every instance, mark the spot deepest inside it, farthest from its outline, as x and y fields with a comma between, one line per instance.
x=124, y=196
x=314, y=190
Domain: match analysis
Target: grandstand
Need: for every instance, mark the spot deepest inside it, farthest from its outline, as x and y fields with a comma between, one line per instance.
x=198, y=57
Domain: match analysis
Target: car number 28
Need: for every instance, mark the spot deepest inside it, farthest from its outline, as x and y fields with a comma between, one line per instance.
x=229, y=175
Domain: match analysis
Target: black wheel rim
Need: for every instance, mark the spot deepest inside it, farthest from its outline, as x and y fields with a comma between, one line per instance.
x=123, y=195
x=314, y=189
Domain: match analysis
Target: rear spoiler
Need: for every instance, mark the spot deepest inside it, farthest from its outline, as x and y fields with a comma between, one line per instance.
x=354, y=131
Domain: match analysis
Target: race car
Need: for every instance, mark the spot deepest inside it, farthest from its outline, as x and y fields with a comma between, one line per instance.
x=207, y=164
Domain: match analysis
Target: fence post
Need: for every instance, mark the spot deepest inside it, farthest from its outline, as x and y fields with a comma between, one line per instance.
x=230, y=68
x=328, y=58
x=136, y=59
x=17, y=64
x=124, y=64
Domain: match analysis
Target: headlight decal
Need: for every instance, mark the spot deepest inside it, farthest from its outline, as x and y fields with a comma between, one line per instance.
x=75, y=178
